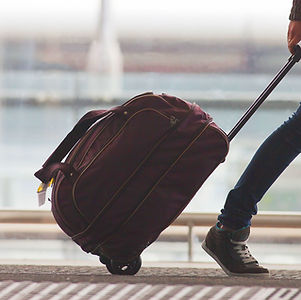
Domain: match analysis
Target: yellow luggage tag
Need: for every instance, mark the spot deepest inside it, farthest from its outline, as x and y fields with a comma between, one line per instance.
x=42, y=189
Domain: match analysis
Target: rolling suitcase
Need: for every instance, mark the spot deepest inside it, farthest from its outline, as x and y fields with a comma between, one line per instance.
x=131, y=170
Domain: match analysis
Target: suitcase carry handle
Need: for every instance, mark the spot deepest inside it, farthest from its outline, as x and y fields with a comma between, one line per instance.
x=255, y=105
x=53, y=163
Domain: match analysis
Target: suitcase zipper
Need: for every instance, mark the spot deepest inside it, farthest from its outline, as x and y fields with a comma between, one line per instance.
x=91, y=131
x=154, y=186
x=133, y=173
x=57, y=211
x=172, y=123
x=82, y=144
x=206, y=125
x=70, y=161
x=124, y=183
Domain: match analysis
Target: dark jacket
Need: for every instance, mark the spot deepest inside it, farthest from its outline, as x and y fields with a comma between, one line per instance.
x=296, y=11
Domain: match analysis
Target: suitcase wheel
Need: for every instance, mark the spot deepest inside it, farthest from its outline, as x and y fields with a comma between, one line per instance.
x=119, y=268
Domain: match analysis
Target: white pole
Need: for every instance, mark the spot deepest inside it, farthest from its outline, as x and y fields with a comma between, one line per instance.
x=105, y=63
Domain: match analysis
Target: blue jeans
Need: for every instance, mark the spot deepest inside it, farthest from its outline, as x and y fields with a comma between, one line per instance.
x=270, y=160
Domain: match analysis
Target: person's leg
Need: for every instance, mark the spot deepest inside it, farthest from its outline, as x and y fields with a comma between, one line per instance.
x=270, y=160
x=226, y=241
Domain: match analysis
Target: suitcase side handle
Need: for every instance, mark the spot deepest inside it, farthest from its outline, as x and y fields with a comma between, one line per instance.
x=52, y=164
x=293, y=59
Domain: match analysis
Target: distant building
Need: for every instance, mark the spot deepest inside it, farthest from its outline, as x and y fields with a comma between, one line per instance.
x=144, y=55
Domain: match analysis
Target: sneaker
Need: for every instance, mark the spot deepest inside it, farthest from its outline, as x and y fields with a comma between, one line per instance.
x=229, y=250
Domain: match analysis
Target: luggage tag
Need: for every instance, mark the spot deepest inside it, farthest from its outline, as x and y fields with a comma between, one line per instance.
x=42, y=189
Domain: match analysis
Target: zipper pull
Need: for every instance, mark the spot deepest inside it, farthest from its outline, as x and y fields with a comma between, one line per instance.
x=173, y=121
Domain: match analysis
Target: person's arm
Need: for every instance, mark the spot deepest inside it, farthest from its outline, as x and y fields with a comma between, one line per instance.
x=294, y=28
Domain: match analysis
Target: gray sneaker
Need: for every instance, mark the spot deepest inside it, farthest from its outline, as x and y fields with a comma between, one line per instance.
x=230, y=251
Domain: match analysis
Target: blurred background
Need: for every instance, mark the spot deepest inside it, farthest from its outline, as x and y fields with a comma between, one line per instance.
x=60, y=59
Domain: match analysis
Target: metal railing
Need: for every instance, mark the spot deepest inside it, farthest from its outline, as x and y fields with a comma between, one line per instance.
x=266, y=219
x=190, y=220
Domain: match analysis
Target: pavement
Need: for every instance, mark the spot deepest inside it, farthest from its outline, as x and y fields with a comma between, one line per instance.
x=24, y=274
x=189, y=281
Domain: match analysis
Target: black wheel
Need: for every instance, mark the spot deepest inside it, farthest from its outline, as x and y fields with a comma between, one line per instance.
x=103, y=259
x=120, y=268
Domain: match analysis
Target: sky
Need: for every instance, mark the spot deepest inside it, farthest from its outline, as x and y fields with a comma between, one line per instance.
x=259, y=19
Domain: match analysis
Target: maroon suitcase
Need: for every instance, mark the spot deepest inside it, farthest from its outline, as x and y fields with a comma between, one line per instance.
x=131, y=174
x=131, y=170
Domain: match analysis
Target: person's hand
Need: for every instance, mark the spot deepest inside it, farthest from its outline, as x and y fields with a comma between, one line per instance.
x=293, y=35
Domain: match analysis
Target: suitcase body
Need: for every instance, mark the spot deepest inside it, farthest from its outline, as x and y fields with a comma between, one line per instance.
x=128, y=176
x=134, y=172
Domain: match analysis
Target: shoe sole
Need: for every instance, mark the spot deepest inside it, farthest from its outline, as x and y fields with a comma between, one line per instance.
x=229, y=273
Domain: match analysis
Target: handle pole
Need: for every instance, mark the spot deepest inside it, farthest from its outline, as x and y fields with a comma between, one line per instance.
x=255, y=105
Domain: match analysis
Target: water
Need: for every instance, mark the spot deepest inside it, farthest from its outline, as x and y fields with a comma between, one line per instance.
x=79, y=85
x=29, y=133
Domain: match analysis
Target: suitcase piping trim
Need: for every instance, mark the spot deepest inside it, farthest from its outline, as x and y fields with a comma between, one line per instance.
x=147, y=195
x=165, y=135
x=57, y=212
x=123, y=185
x=102, y=150
x=91, y=130
x=155, y=185
x=82, y=142
x=222, y=133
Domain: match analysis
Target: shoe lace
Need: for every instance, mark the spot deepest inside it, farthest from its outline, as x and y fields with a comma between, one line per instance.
x=242, y=250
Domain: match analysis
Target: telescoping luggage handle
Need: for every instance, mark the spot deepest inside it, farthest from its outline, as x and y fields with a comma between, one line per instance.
x=255, y=105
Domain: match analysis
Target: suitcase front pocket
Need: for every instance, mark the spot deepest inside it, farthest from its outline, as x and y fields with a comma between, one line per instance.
x=114, y=164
